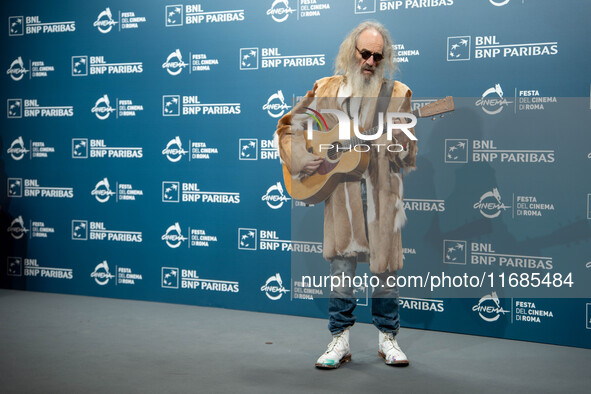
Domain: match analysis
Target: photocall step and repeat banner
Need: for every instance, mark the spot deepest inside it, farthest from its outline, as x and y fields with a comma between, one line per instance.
x=138, y=160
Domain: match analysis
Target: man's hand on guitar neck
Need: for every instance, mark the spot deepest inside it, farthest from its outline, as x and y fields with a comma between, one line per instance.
x=312, y=165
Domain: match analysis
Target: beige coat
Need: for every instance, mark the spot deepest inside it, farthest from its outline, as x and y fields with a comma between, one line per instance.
x=344, y=224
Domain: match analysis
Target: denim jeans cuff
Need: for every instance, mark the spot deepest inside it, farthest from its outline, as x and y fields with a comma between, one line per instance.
x=394, y=332
x=341, y=331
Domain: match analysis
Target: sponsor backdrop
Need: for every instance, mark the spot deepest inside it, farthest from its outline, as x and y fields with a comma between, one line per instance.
x=137, y=156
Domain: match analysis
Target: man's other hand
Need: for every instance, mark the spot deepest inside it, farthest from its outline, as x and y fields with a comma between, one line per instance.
x=312, y=165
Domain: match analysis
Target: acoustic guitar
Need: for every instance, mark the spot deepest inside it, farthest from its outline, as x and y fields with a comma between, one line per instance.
x=341, y=162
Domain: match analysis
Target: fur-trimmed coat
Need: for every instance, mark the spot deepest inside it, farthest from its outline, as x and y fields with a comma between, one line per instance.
x=344, y=224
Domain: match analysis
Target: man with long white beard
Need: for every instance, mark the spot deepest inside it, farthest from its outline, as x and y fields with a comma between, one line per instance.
x=363, y=216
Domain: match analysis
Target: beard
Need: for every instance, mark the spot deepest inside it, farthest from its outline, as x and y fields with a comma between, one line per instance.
x=365, y=85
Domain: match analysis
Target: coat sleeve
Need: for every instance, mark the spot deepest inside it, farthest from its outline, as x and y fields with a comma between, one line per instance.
x=290, y=136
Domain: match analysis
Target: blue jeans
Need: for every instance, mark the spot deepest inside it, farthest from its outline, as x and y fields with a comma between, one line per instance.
x=384, y=300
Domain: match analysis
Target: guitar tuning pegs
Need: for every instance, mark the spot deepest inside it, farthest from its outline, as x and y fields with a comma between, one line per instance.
x=433, y=118
x=441, y=116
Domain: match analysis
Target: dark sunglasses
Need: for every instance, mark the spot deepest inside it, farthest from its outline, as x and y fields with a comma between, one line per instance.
x=365, y=54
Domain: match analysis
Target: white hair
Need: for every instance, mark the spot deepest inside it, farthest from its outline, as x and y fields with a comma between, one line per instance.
x=346, y=55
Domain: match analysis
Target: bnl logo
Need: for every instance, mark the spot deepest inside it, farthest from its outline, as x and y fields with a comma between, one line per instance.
x=170, y=278
x=454, y=252
x=249, y=58
x=80, y=230
x=14, y=266
x=247, y=238
x=365, y=6
x=174, y=15
x=15, y=187
x=248, y=149
x=79, y=66
x=458, y=48
x=170, y=192
x=171, y=105
x=79, y=148
x=15, y=25
x=456, y=151
x=14, y=108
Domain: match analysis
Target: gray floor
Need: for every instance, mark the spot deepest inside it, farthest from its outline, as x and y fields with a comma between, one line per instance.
x=53, y=343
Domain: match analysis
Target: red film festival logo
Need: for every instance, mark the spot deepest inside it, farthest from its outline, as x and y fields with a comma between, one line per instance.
x=358, y=143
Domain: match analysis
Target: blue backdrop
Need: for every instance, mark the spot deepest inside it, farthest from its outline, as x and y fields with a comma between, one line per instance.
x=138, y=159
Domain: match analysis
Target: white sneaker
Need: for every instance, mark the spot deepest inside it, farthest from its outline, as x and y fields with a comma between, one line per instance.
x=338, y=352
x=389, y=350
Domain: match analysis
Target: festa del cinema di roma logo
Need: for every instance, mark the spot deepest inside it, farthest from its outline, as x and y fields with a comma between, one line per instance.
x=489, y=308
x=276, y=105
x=174, y=150
x=102, y=191
x=17, y=69
x=490, y=204
x=493, y=105
x=17, y=149
x=280, y=10
x=274, y=288
x=101, y=273
x=102, y=108
x=174, y=236
x=104, y=22
x=275, y=196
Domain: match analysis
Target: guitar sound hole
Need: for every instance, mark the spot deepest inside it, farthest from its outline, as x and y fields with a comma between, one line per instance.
x=334, y=153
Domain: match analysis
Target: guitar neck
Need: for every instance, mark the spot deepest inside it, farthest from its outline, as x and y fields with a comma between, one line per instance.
x=435, y=108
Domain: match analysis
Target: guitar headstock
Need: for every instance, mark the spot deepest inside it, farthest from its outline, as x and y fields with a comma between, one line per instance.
x=436, y=108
